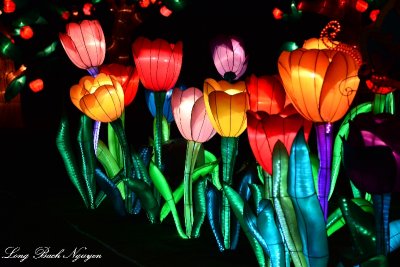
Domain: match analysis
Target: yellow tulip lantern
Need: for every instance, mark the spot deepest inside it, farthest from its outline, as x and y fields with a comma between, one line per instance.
x=226, y=105
x=321, y=82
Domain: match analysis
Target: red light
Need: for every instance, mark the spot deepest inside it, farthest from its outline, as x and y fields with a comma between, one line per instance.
x=26, y=32
x=87, y=9
x=300, y=5
x=36, y=85
x=361, y=6
x=277, y=13
x=373, y=15
x=65, y=15
x=8, y=6
x=165, y=11
x=144, y=3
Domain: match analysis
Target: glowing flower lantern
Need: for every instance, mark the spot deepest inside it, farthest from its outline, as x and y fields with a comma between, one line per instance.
x=194, y=125
x=85, y=44
x=226, y=106
x=271, y=118
x=26, y=32
x=36, y=85
x=101, y=98
x=229, y=57
x=159, y=64
x=321, y=84
x=127, y=76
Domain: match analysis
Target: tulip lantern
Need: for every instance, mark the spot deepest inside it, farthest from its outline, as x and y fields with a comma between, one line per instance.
x=194, y=125
x=229, y=57
x=226, y=105
x=271, y=118
x=159, y=64
x=321, y=84
x=101, y=98
x=85, y=44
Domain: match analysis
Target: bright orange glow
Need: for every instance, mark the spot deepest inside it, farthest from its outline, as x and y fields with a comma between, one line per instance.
x=8, y=6
x=226, y=105
x=361, y=6
x=373, y=15
x=277, y=13
x=144, y=3
x=165, y=11
x=36, y=85
x=321, y=84
x=26, y=32
x=100, y=98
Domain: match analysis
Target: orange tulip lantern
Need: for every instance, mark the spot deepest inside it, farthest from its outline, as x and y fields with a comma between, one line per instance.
x=85, y=44
x=194, y=125
x=158, y=63
x=321, y=84
x=271, y=118
x=127, y=76
x=101, y=98
x=226, y=106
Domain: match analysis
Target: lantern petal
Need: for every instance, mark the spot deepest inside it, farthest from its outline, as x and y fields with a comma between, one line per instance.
x=84, y=43
x=266, y=93
x=104, y=105
x=70, y=49
x=339, y=88
x=182, y=102
x=202, y=129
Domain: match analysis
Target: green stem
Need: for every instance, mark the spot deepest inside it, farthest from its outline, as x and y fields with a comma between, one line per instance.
x=159, y=98
x=229, y=146
x=192, y=150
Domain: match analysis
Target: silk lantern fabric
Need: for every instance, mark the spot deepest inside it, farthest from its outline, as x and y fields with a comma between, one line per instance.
x=321, y=84
x=158, y=62
x=271, y=118
x=100, y=98
x=229, y=57
x=127, y=76
x=190, y=115
x=84, y=43
x=226, y=105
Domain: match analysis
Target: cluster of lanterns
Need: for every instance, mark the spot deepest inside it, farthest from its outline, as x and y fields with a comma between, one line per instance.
x=315, y=86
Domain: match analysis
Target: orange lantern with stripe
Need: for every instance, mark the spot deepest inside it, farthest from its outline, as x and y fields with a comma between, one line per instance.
x=100, y=98
x=321, y=83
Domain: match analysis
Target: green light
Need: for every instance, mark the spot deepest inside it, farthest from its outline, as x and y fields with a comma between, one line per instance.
x=48, y=50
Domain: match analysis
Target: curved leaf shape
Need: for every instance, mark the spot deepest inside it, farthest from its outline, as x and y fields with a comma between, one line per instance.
x=88, y=158
x=147, y=199
x=237, y=204
x=213, y=207
x=178, y=193
x=338, y=142
x=111, y=191
x=163, y=188
x=63, y=143
x=308, y=209
x=284, y=207
x=266, y=232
